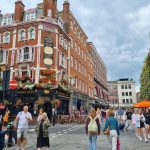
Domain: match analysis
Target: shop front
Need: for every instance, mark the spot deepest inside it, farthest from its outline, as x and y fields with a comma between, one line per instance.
x=79, y=101
x=42, y=98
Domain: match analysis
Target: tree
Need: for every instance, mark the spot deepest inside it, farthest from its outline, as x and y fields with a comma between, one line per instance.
x=145, y=79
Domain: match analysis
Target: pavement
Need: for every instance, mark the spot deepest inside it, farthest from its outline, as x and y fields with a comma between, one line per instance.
x=73, y=137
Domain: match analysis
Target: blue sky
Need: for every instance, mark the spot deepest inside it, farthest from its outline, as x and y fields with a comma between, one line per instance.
x=119, y=30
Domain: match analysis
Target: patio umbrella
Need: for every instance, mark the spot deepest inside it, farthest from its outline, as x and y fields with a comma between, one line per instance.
x=142, y=104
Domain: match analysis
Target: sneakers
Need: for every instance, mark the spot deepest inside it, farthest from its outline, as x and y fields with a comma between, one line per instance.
x=140, y=138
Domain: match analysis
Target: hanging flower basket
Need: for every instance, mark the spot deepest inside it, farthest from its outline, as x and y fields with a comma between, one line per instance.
x=6, y=102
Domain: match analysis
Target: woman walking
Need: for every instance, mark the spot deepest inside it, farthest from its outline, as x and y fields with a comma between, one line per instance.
x=41, y=111
x=147, y=121
x=92, y=129
x=112, y=125
x=140, y=124
x=42, y=133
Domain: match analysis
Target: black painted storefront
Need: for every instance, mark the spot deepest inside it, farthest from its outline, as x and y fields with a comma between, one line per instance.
x=29, y=97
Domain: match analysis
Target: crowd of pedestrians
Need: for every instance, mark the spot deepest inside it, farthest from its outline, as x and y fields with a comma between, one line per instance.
x=113, y=121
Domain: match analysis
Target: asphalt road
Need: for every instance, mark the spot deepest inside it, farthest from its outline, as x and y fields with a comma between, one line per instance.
x=73, y=137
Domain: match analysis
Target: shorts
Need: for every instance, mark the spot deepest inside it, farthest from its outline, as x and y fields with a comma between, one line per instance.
x=147, y=125
x=20, y=132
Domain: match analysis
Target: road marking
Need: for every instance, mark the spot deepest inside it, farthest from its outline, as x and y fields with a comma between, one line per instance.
x=59, y=133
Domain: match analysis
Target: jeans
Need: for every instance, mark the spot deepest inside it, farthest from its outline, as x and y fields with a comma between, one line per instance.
x=92, y=142
x=113, y=136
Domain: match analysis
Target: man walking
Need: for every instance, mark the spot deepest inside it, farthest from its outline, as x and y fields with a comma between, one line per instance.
x=129, y=118
x=21, y=123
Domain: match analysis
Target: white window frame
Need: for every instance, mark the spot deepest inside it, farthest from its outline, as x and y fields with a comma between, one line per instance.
x=7, y=20
x=79, y=67
x=71, y=61
x=4, y=56
x=6, y=37
x=22, y=35
x=31, y=33
x=75, y=63
x=30, y=16
x=21, y=53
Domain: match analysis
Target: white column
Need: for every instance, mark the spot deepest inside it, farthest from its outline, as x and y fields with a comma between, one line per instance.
x=56, y=58
x=37, y=73
x=68, y=61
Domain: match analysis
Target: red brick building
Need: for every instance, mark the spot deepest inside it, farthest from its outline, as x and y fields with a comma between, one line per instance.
x=41, y=38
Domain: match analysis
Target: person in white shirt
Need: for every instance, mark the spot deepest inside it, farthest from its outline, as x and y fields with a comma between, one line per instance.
x=22, y=120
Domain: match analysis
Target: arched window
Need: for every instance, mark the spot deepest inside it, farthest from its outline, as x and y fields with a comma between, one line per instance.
x=6, y=37
x=22, y=35
x=31, y=33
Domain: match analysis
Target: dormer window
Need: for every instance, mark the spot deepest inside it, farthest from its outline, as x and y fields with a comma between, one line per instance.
x=22, y=35
x=30, y=16
x=6, y=37
x=7, y=20
x=31, y=33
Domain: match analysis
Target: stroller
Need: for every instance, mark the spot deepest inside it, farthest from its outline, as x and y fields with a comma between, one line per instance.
x=9, y=137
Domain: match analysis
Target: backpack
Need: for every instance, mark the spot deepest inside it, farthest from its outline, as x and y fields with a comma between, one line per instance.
x=92, y=127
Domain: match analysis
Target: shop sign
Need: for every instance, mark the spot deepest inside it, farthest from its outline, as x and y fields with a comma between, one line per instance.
x=48, y=51
x=27, y=92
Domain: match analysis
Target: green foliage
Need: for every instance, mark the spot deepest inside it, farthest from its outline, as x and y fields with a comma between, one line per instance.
x=145, y=80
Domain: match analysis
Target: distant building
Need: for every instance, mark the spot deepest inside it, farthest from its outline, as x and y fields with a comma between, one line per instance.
x=113, y=93
x=126, y=93
x=138, y=96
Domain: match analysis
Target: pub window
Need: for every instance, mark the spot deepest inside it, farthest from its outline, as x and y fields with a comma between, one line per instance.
x=126, y=93
x=122, y=86
x=131, y=101
x=122, y=93
x=126, y=87
x=6, y=37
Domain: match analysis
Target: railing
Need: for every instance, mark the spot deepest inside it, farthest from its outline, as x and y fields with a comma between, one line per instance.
x=67, y=119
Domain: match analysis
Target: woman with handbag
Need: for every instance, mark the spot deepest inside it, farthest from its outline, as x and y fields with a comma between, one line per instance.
x=42, y=133
x=112, y=128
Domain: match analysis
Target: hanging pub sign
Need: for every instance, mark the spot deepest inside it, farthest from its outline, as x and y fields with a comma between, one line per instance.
x=48, y=51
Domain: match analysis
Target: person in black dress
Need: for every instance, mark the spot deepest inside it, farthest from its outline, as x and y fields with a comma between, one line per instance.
x=42, y=132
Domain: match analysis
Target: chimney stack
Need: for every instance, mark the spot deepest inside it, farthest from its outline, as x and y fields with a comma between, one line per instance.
x=66, y=11
x=19, y=10
x=50, y=6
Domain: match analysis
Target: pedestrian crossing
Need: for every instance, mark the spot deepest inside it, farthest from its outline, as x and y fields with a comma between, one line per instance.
x=65, y=131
